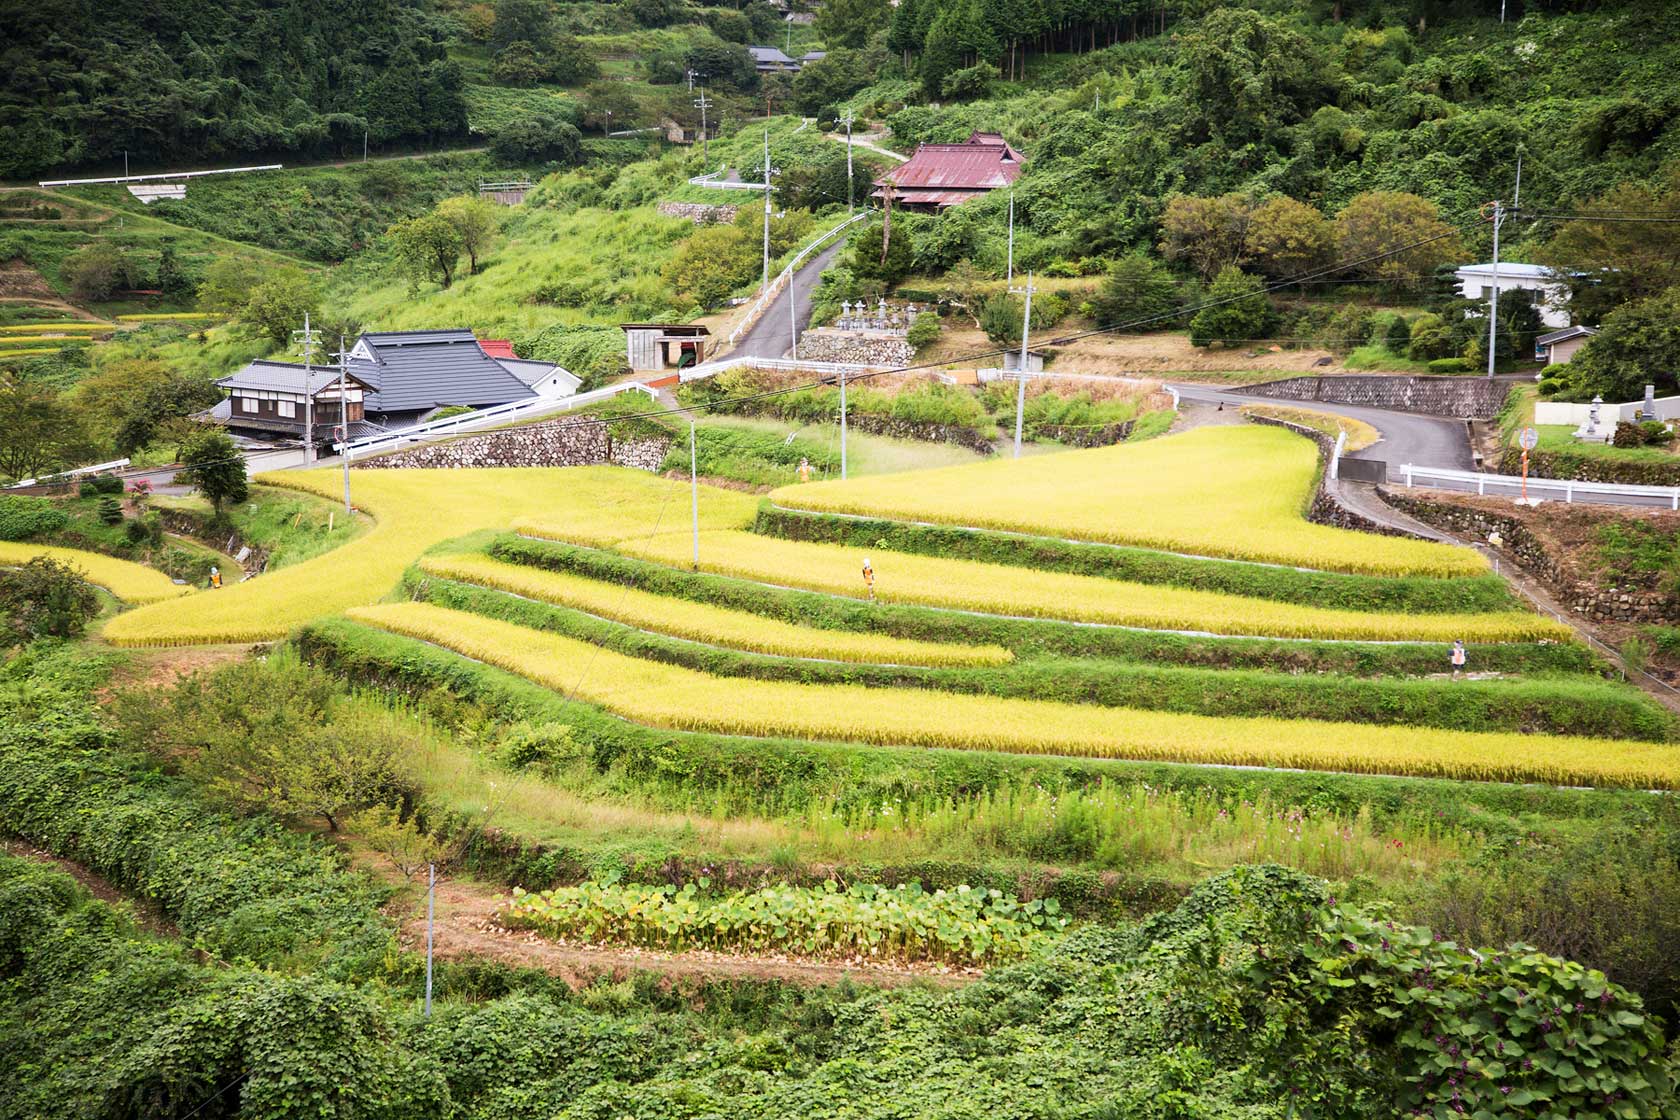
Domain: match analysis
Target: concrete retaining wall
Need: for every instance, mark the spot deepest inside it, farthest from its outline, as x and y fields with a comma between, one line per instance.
x=1462, y=398
x=568, y=444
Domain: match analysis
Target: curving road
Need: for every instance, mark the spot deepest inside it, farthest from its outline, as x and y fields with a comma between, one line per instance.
x=1407, y=437
x=772, y=335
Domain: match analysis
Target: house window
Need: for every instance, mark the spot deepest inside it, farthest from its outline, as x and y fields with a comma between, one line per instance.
x=288, y=409
x=247, y=404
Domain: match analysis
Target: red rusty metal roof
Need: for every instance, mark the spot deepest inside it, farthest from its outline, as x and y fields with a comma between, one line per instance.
x=497, y=348
x=973, y=167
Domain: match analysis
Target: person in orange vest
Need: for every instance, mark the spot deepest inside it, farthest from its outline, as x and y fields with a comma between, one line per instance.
x=804, y=470
x=215, y=576
x=869, y=578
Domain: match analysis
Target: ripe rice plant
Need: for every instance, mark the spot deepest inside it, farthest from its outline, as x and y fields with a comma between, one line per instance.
x=161, y=316
x=29, y=352
x=56, y=328
x=1236, y=492
x=414, y=510
x=901, y=924
x=128, y=581
x=1004, y=589
x=667, y=696
x=701, y=623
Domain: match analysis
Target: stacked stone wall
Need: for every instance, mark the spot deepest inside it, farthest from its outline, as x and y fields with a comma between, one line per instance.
x=563, y=444
x=855, y=348
x=1462, y=398
x=700, y=213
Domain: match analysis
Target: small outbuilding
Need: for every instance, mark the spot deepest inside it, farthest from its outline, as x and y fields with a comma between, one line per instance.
x=652, y=347
x=1560, y=346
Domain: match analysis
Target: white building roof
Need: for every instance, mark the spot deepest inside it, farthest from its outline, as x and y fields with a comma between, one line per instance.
x=1511, y=269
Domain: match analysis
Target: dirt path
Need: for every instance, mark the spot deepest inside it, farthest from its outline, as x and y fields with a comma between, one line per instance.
x=465, y=926
x=861, y=140
x=150, y=916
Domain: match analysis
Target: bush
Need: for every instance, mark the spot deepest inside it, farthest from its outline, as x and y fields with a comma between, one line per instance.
x=924, y=332
x=110, y=511
x=1428, y=339
x=22, y=518
x=45, y=598
x=1450, y=365
x=537, y=140
x=1398, y=338
x=1240, y=311
x=1627, y=435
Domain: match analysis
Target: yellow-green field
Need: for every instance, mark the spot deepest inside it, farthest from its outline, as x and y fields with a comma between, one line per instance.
x=702, y=623
x=414, y=510
x=128, y=581
x=1004, y=589
x=1237, y=492
x=667, y=696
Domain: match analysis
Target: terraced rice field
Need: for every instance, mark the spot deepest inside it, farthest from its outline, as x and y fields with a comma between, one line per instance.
x=1235, y=492
x=667, y=696
x=128, y=581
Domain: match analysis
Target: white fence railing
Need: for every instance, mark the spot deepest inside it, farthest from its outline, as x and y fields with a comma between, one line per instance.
x=529, y=408
x=785, y=276
x=160, y=175
x=1568, y=489
x=114, y=464
x=714, y=180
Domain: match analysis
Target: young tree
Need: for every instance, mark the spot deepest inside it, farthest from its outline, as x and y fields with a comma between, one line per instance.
x=1429, y=339
x=1638, y=344
x=1404, y=231
x=1239, y=310
x=39, y=431
x=1604, y=264
x=571, y=62
x=95, y=271
x=537, y=140
x=170, y=278
x=969, y=83
x=278, y=303
x=44, y=598
x=525, y=21
x=475, y=220
x=211, y=462
x=479, y=22
x=1001, y=314
x=517, y=64
x=850, y=23
x=1209, y=233
x=712, y=263
x=227, y=284
x=1287, y=238
x=1136, y=290
x=426, y=248
x=1398, y=338
x=874, y=274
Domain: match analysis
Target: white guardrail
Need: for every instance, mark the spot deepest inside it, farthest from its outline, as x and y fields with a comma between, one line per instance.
x=785, y=276
x=712, y=369
x=114, y=464
x=1569, y=490
x=467, y=421
x=159, y=175
x=712, y=179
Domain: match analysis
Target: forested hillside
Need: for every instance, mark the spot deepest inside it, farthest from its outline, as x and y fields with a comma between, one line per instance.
x=198, y=80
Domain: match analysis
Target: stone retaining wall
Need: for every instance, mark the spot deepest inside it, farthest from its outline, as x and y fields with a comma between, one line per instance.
x=879, y=425
x=1461, y=398
x=700, y=213
x=1527, y=551
x=855, y=348
x=566, y=444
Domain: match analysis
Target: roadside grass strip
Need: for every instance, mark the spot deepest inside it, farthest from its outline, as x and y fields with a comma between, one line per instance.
x=128, y=581
x=666, y=696
x=1002, y=589
x=414, y=510
x=702, y=623
x=1235, y=492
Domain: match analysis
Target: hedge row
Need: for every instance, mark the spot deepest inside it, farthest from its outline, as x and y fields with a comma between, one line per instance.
x=1038, y=637
x=1288, y=585
x=1560, y=707
x=1584, y=467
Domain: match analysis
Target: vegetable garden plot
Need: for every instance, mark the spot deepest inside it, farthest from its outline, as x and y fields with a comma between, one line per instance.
x=666, y=696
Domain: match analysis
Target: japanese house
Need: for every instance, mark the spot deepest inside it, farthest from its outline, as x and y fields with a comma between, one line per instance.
x=943, y=175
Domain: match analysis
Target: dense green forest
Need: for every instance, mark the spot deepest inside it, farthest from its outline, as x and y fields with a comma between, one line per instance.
x=190, y=82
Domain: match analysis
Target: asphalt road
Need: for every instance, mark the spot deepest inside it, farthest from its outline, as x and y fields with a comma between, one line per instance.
x=1425, y=441
x=772, y=335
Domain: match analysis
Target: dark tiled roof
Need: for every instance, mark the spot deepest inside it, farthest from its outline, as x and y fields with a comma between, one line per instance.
x=421, y=369
x=769, y=54
x=282, y=377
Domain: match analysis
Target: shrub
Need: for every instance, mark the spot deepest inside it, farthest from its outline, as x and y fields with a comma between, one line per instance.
x=45, y=598
x=1450, y=365
x=924, y=332
x=1239, y=312
x=1428, y=339
x=1627, y=435
x=110, y=511
x=22, y=517
x=1398, y=338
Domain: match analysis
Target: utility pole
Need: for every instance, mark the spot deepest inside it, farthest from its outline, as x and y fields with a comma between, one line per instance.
x=842, y=425
x=793, y=316
x=1021, y=373
x=850, y=208
x=766, y=286
x=344, y=425
x=886, y=219
x=431, y=895
x=364, y=145
x=1009, y=268
x=1493, y=292
x=125, y=168
x=608, y=133
x=308, y=396
x=702, y=103
x=694, y=489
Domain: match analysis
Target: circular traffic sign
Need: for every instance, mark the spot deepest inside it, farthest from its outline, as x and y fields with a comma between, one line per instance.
x=1528, y=439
